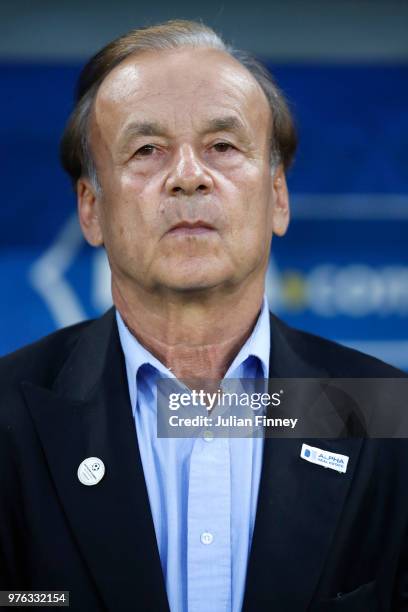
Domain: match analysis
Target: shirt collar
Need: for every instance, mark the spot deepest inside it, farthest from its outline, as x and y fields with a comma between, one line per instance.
x=136, y=355
x=257, y=345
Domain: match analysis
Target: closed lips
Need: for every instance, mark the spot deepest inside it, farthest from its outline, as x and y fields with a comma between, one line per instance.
x=186, y=227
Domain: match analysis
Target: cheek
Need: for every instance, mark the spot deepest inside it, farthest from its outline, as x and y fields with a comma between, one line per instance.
x=146, y=177
x=128, y=207
x=251, y=205
x=142, y=195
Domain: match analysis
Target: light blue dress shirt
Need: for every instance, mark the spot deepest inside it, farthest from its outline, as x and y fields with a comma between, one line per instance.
x=203, y=492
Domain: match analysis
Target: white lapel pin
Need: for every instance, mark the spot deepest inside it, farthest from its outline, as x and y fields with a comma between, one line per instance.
x=325, y=458
x=91, y=471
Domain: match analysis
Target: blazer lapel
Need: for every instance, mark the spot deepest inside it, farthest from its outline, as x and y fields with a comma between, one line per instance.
x=299, y=505
x=88, y=414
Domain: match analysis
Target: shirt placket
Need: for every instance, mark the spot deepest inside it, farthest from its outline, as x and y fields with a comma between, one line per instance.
x=208, y=525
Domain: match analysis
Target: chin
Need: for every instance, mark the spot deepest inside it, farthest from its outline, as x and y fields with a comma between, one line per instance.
x=197, y=280
x=192, y=285
x=193, y=274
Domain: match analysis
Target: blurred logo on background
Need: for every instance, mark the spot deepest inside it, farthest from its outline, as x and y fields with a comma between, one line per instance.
x=328, y=290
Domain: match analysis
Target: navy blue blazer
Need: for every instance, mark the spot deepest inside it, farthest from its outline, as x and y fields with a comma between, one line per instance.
x=323, y=541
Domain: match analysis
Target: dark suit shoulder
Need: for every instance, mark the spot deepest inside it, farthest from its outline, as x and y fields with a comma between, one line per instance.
x=338, y=360
x=40, y=361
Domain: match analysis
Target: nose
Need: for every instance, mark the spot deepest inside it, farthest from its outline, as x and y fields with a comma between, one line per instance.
x=188, y=175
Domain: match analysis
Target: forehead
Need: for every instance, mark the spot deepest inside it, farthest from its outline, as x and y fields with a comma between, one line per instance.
x=173, y=84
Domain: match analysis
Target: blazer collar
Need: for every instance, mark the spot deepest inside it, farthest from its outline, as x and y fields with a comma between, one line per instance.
x=87, y=364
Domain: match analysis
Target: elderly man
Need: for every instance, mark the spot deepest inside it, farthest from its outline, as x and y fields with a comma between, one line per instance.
x=177, y=148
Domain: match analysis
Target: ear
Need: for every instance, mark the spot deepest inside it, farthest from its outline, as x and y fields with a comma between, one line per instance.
x=88, y=212
x=280, y=198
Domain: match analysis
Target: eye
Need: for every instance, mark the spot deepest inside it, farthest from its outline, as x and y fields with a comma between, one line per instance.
x=145, y=151
x=222, y=147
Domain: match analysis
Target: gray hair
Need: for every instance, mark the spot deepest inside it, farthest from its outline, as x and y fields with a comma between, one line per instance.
x=75, y=152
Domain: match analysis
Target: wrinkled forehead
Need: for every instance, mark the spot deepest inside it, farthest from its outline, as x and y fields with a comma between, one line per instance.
x=191, y=80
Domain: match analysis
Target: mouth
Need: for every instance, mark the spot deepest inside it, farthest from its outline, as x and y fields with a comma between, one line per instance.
x=185, y=228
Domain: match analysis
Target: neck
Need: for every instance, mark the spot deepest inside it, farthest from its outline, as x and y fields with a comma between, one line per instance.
x=196, y=335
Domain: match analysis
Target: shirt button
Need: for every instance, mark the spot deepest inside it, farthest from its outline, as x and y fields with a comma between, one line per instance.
x=208, y=436
x=206, y=537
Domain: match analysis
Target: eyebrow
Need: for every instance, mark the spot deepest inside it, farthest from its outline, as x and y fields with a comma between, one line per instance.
x=220, y=124
x=152, y=128
x=140, y=128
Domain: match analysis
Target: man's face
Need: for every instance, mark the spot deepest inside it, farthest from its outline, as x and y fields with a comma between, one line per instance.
x=181, y=142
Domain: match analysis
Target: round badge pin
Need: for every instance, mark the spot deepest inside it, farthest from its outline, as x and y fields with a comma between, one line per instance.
x=91, y=471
